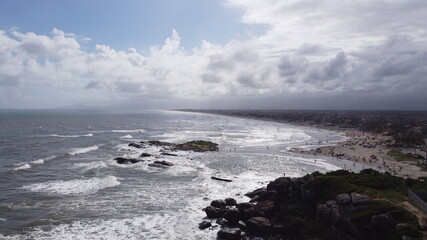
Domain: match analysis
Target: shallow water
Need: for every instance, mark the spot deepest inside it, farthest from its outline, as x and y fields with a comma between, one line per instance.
x=58, y=179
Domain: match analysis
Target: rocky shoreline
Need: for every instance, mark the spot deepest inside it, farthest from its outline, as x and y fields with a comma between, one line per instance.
x=166, y=149
x=317, y=206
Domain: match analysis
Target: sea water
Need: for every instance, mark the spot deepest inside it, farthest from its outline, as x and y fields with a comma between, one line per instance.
x=59, y=180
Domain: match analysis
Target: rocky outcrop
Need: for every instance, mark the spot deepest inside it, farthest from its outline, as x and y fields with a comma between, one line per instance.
x=280, y=211
x=204, y=225
x=258, y=226
x=228, y=233
x=122, y=160
x=197, y=146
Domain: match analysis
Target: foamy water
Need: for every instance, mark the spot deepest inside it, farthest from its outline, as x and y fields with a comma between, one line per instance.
x=74, y=187
x=69, y=136
x=82, y=150
x=70, y=187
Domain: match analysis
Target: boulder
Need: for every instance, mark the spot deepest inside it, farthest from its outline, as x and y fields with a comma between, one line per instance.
x=406, y=237
x=145, y=155
x=230, y=202
x=258, y=226
x=265, y=208
x=169, y=154
x=279, y=228
x=232, y=216
x=343, y=199
x=244, y=205
x=197, y=146
x=272, y=195
x=122, y=160
x=159, y=143
x=359, y=199
x=157, y=165
x=255, y=193
x=204, y=225
x=135, y=145
x=165, y=163
x=219, y=203
x=221, y=221
x=280, y=184
x=213, y=212
x=241, y=225
x=382, y=223
x=229, y=233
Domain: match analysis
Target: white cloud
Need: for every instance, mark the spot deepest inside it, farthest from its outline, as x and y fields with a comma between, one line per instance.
x=311, y=48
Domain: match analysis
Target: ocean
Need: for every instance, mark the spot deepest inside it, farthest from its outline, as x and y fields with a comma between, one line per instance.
x=59, y=180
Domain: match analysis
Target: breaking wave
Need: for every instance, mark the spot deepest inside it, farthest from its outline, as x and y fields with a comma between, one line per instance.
x=74, y=187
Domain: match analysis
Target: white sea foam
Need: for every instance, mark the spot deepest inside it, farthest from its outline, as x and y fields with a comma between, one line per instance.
x=91, y=165
x=128, y=131
x=25, y=166
x=154, y=226
x=74, y=187
x=42, y=160
x=126, y=136
x=83, y=150
x=70, y=136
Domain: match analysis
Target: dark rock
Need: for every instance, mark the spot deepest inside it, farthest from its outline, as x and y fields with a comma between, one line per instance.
x=219, y=203
x=159, y=143
x=221, y=179
x=258, y=226
x=241, y=225
x=229, y=234
x=213, y=212
x=272, y=195
x=401, y=226
x=168, y=164
x=257, y=192
x=135, y=145
x=157, y=165
x=255, y=199
x=197, y=146
x=406, y=237
x=122, y=160
x=265, y=208
x=359, y=199
x=381, y=223
x=232, y=216
x=343, y=199
x=230, y=202
x=331, y=203
x=244, y=205
x=248, y=213
x=169, y=154
x=280, y=184
x=204, y=225
x=221, y=221
x=145, y=155
x=279, y=228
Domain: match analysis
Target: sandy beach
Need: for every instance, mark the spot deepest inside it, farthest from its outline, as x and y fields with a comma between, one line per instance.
x=368, y=149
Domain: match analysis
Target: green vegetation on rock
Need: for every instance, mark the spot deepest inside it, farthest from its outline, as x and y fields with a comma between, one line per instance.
x=197, y=146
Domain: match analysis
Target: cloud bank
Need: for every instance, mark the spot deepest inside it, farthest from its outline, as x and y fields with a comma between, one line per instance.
x=312, y=54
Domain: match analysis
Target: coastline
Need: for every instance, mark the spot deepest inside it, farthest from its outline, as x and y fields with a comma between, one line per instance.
x=364, y=148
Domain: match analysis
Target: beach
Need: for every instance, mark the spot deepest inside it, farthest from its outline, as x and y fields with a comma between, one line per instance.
x=367, y=149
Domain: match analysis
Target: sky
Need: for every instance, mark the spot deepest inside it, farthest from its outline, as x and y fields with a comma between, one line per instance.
x=251, y=54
